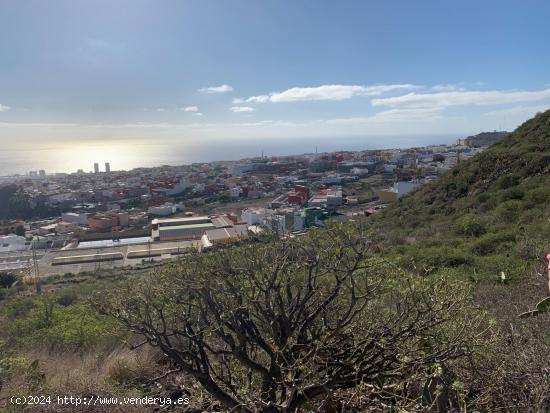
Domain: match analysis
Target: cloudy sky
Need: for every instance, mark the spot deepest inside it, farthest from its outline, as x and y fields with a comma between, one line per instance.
x=229, y=69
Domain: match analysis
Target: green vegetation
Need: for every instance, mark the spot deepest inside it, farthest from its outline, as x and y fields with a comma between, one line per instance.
x=417, y=309
x=57, y=343
x=486, y=216
x=57, y=321
x=15, y=204
x=20, y=230
x=49, y=324
x=279, y=325
x=7, y=279
x=487, y=222
x=13, y=365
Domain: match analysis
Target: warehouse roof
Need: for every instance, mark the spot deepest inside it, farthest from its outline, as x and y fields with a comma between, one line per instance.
x=224, y=233
x=189, y=226
x=198, y=226
x=222, y=222
x=179, y=220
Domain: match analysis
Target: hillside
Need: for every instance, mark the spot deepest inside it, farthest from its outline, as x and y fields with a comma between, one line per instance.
x=486, y=216
x=487, y=222
x=521, y=161
x=484, y=139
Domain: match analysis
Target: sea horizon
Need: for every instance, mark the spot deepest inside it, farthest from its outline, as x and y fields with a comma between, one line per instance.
x=62, y=157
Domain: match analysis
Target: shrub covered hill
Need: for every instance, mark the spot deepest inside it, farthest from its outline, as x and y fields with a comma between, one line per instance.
x=487, y=219
x=487, y=222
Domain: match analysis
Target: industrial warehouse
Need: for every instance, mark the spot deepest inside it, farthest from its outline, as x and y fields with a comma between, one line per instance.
x=171, y=229
x=169, y=238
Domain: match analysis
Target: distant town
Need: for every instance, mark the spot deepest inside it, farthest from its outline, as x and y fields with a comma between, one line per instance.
x=109, y=217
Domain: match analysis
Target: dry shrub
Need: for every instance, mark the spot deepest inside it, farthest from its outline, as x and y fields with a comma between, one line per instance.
x=95, y=372
x=127, y=368
x=514, y=374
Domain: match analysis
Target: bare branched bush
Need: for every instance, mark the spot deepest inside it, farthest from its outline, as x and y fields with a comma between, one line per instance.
x=286, y=324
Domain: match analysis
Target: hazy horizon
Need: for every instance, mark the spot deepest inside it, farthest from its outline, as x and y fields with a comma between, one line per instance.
x=60, y=156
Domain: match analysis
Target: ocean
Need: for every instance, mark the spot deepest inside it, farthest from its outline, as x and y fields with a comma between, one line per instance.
x=69, y=156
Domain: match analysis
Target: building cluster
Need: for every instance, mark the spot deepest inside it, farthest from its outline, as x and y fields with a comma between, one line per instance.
x=285, y=195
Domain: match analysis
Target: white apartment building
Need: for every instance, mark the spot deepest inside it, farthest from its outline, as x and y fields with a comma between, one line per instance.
x=253, y=216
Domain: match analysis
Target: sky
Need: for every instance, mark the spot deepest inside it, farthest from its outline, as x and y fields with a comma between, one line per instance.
x=203, y=71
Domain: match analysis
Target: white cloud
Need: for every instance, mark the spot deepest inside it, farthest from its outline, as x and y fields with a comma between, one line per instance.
x=241, y=109
x=525, y=111
x=35, y=124
x=4, y=108
x=217, y=89
x=143, y=125
x=333, y=92
x=161, y=110
x=190, y=109
x=258, y=99
x=197, y=114
x=446, y=87
x=392, y=115
x=383, y=119
x=326, y=93
x=269, y=123
x=458, y=98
